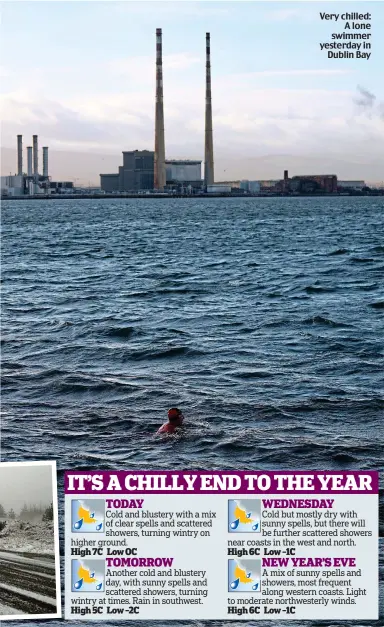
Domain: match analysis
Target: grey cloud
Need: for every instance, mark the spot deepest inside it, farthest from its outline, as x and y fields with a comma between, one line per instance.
x=366, y=99
x=61, y=124
x=367, y=103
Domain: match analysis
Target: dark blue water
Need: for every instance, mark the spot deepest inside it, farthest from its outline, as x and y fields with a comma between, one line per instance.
x=261, y=318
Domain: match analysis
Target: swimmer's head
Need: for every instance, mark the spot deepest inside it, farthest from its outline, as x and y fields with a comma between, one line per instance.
x=174, y=414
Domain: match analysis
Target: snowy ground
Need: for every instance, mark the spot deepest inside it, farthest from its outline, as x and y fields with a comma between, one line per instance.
x=24, y=537
x=27, y=567
x=27, y=585
x=5, y=610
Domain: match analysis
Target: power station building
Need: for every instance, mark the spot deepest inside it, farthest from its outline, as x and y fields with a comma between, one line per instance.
x=30, y=182
x=182, y=171
x=313, y=183
x=146, y=170
x=136, y=173
x=181, y=174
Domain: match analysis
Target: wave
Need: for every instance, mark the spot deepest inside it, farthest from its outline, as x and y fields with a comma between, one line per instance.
x=180, y=290
x=339, y=251
x=378, y=305
x=361, y=259
x=325, y=322
x=344, y=458
x=251, y=374
x=123, y=332
x=178, y=351
x=317, y=289
x=12, y=365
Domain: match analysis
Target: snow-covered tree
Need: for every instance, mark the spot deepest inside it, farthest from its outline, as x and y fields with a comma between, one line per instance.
x=48, y=514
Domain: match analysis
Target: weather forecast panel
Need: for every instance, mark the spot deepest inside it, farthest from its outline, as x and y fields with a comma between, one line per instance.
x=221, y=545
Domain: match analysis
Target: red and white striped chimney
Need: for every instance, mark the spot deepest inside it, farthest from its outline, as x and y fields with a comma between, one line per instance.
x=159, y=165
x=208, y=153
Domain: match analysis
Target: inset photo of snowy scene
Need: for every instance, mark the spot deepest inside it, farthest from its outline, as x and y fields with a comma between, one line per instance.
x=29, y=541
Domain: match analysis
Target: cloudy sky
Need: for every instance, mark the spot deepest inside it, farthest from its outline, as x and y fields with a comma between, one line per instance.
x=81, y=75
x=27, y=484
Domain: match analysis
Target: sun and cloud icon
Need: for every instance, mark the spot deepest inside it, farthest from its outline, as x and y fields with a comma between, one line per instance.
x=88, y=575
x=244, y=575
x=244, y=516
x=87, y=516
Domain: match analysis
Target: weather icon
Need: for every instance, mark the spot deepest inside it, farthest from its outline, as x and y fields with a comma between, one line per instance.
x=87, y=516
x=88, y=575
x=244, y=575
x=244, y=516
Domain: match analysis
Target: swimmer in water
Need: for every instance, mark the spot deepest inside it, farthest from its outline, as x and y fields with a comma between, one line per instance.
x=175, y=420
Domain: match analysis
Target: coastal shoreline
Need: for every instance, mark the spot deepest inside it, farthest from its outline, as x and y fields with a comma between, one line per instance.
x=192, y=196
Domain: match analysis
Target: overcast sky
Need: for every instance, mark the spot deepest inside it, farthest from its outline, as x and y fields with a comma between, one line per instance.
x=82, y=76
x=27, y=484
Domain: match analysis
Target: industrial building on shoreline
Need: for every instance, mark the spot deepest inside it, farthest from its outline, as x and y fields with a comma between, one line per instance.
x=148, y=171
x=32, y=183
x=145, y=170
x=138, y=171
x=183, y=177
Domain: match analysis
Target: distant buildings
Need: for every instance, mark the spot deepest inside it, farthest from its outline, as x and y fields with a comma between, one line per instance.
x=355, y=185
x=253, y=187
x=136, y=173
x=301, y=184
x=12, y=185
x=313, y=183
x=30, y=182
x=219, y=188
x=61, y=187
x=183, y=174
x=149, y=170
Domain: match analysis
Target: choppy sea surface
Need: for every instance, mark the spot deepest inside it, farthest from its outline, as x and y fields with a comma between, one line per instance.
x=261, y=318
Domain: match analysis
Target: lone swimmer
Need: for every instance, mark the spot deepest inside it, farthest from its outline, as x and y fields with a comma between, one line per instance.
x=175, y=420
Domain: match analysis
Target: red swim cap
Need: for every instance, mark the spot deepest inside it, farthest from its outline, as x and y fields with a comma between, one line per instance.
x=174, y=413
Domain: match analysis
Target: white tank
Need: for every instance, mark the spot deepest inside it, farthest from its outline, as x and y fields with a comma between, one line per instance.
x=218, y=189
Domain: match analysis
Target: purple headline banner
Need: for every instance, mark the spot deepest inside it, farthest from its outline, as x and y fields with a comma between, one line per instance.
x=222, y=481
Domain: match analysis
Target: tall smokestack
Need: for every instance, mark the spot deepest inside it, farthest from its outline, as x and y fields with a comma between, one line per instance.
x=285, y=181
x=35, y=156
x=29, y=160
x=19, y=155
x=208, y=154
x=159, y=178
x=45, y=161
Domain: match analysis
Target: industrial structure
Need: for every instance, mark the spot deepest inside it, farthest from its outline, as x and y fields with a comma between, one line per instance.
x=19, y=155
x=29, y=161
x=351, y=185
x=208, y=151
x=159, y=164
x=144, y=170
x=136, y=173
x=183, y=175
x=35, y=156
x=31, y=182
x=251, y=187
x=323, y=183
